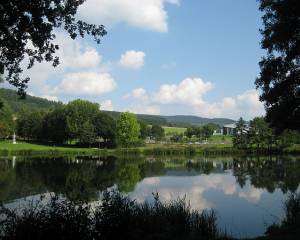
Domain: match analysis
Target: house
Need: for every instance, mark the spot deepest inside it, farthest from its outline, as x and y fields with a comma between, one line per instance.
x=218, y=132
x=229, y=129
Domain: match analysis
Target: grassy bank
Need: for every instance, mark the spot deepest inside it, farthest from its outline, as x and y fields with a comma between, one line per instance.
x=34, y=149
x=27, y=149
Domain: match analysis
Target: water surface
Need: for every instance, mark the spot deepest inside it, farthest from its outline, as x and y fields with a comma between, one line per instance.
x=246, y=192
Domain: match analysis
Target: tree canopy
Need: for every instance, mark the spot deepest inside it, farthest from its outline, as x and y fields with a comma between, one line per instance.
x=27, y=31
x=128, y=129
x=6, y=120
x=279, y=77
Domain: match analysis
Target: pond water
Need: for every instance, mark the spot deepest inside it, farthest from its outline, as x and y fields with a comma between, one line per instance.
x=246, y=192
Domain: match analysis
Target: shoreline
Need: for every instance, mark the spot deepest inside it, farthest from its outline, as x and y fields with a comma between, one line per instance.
x=36, y=149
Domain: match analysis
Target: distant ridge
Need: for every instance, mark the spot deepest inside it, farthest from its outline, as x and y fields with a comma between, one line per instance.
x=37, y=103
x=177, y=120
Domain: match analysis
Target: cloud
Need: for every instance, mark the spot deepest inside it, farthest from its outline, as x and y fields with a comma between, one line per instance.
x=190, y=93
x=251, y=194
x=73, y=54
x=145, y=14
x=107, y=105
x=246, y=105
x=86, y=83
x=132, y=59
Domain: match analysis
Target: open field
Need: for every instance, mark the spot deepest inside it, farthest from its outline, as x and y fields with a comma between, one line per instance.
x=172, y=130
x=220, y=139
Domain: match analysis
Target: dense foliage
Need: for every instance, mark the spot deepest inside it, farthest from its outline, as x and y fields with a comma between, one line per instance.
x=128, y=129
x=201, y=133
x=279, y=77
x=79, y=121
x=6, y=120
x=258, y=134
x=27, y=32
x=117, y=217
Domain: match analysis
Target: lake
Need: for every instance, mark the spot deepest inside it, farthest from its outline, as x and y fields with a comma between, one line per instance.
x=246, y=192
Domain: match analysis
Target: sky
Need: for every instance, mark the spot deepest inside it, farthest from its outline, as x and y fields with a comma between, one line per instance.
x=168, y=57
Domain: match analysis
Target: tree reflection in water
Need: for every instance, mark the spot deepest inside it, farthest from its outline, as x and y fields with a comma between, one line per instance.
x=84, y=178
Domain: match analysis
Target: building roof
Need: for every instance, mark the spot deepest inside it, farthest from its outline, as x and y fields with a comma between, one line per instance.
x=232, y=125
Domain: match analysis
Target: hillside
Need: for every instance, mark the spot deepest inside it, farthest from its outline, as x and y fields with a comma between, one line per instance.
x=177, y=120
x=37, y=103
x=194, y=120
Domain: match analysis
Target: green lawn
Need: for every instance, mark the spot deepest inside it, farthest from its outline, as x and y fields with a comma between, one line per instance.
x=220, y=139
x=28, y=149
x=25, y=148
x=172, y=130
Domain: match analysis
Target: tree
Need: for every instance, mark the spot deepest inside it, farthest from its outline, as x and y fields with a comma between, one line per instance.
x=86, y=134
x=260, y=133
x=27, y=31
x=145, y=130
x=6, y=120
x=279, y=77
x=240, y=137
x=80, y=115
x=288, y=137
x=128, y=129
x=55, y=128
x=190, y=131
x=208, y=130
x=30, y=124
x=157, y=132
x=105, y=128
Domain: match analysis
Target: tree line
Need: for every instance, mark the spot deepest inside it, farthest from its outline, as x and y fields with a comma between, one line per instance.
x=260, y=135
x=79, y=122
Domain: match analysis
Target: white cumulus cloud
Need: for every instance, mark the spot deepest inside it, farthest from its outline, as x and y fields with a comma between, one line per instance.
x=86, y=83
x=132, y=59
x=189, y=91
x=145, y=14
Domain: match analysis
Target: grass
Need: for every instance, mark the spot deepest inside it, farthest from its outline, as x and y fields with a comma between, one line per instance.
x=117, y=217
x=26, y=148
x=220, y=139
x=174, y=130
x=34, y=149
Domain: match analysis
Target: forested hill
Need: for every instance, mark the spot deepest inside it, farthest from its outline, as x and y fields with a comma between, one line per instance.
x=177, y=120
x=36, y=103
x=194, y=120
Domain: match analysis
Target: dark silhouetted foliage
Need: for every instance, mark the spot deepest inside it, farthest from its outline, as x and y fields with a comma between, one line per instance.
x=117, y=217
x=279, y=77
x=27, y=31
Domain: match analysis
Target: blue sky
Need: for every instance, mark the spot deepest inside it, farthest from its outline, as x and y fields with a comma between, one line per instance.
x=162, y=57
